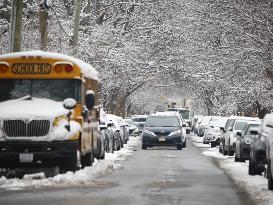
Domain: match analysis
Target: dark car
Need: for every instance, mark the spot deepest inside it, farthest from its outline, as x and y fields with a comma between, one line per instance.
x=258, y=148
x=244, y=139
x=163, y=128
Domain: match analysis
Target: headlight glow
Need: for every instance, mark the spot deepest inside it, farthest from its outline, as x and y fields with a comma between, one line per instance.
x=175, y=132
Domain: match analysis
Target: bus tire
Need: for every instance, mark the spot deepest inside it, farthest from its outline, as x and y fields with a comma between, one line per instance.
x=71, y=163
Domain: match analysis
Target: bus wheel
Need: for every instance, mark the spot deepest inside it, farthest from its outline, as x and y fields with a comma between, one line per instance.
x=72, y=163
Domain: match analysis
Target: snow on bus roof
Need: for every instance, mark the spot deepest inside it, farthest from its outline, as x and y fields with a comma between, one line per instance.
x=88, y=70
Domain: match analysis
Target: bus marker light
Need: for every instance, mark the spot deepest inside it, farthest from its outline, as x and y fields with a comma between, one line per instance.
x=68, y=68
x=58, y=68
x=3, y=68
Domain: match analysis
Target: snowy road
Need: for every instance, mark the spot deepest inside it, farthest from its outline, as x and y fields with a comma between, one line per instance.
x=147, y=177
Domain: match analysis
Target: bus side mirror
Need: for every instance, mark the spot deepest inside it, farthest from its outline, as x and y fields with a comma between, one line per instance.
x=90, y=99
x=69, y=103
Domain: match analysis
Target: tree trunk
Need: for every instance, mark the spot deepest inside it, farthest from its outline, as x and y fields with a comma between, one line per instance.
x=43, y=16
x=75, y=38
x=16, y=25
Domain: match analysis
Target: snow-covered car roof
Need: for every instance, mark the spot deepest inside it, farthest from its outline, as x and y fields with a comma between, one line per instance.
x=139, y=116
x=244, y=118
x=113, y=117
x=167, y=113
x=86, y=69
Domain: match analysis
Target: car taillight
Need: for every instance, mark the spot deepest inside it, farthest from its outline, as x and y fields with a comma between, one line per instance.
x=68, y=68
x=4, y=68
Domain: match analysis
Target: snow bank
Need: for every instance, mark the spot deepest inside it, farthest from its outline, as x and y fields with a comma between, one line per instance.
x=83, y=177
x=255, y=186
x=198, y=141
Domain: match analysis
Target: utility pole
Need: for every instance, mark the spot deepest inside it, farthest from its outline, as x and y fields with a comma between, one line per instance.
x=16, y=25
x=75, y=37
x=43, y=17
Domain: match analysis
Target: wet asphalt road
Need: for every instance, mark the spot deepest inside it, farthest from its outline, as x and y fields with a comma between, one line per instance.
x=150, y=177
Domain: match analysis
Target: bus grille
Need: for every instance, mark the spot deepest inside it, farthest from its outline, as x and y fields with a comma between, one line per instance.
x=21, y=128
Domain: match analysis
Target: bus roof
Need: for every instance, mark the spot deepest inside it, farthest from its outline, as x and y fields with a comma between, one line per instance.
x=86, y=69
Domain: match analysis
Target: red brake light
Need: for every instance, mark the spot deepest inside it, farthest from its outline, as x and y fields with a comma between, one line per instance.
x=68, y=68
x=58, y=68
x=4, y=68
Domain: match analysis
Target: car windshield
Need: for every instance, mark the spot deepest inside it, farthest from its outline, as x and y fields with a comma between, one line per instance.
x=166, y=121
x=240, y=125
x=129, y=121
x=185, y=113
x=252, y=127
x=52, y=89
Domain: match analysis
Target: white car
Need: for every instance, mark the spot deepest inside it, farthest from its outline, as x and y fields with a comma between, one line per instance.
x=133, y=130
x=233, y=125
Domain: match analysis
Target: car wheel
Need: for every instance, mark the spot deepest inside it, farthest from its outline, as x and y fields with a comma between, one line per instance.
x=220, y=149
x=230, y=151
x=225, y=152
x=250, y=168
x=236, y=159
x=269, y=177
x=185, y=144
x=144, y=146
x=213, y=144
x=179, y=147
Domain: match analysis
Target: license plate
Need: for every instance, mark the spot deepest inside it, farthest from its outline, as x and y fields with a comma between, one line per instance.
x=26, y=157
x=162, y=139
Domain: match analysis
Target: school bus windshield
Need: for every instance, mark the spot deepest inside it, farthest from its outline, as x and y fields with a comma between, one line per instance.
x=54, y=89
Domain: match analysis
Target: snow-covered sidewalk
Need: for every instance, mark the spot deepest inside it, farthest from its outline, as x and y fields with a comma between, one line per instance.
x=83, y=177
x=255, y=186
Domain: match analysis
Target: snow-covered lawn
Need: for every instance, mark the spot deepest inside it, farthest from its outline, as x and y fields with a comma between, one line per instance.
x=255, y=186
x=83, y=177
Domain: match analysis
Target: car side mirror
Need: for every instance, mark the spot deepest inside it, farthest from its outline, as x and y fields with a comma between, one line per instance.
x=141, y=125
x=90, y=99
x=110, y=124
x=184, y=125
x=103, y=127
x=239, y=133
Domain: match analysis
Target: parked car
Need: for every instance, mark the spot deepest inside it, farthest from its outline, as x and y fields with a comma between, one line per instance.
x=213, y=133
x=244, y=139
x=268, y=123
x=234, y=124
x=116, y=131
x=208, y=130
x=198, y=128
x=195, y=123
x=205, y=124
x=164, y=128
x=133, y=130
x=139, y=121
x=125, y=131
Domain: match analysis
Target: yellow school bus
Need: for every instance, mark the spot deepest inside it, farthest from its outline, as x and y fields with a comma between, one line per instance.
x=47, y=115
